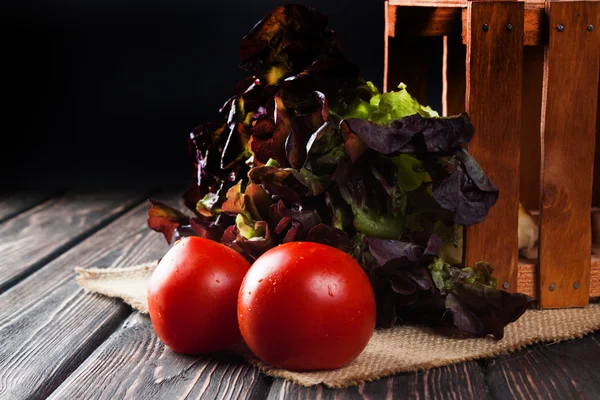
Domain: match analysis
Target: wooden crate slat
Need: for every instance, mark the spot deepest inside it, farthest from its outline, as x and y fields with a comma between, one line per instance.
x=494, y=74
x=32, y=238
x=568, y=126
x=446, y=3
x=423, y=21
x=461, y=381
x=534, y=31
x=451, y=21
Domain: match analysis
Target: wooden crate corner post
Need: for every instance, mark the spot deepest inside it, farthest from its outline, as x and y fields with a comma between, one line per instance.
x=568, y=123
x=494, y=36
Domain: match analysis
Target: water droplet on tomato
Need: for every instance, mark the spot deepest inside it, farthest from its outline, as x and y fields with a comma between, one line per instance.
x=218, y=281
x=250, y=292
x=260, y=280
x=329, y=290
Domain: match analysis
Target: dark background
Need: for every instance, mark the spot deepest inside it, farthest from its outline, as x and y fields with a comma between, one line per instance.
x=104, y=92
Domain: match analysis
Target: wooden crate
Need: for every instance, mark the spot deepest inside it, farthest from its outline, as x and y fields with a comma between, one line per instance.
x=527, y=73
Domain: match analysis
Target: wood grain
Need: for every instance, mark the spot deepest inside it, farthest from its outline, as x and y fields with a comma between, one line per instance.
x=423, y=21
x=35, y=237
x=596, y=186
x=429, y=3
x=533, y=65
x=134, y=364
x=527, y=281
x=48, y=325
x=494, y=75
x=566, y=370
x=568, y=126
x=16, y=203
x=459, y=381
x=447, y=3
x=535, y=29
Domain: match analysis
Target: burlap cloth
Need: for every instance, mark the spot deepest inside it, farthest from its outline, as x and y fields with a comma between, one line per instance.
x=400, y=349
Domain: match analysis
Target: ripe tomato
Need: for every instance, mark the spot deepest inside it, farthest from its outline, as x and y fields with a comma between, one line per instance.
x=193, y=295
x=306, y=306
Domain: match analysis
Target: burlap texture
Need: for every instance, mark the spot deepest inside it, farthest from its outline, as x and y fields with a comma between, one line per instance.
x=401, y=349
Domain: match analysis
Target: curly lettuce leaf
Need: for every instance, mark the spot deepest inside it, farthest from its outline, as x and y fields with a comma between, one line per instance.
x=413, y=134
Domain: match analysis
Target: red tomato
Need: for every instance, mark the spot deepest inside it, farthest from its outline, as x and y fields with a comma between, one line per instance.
x=193, y=295
x=306, y=306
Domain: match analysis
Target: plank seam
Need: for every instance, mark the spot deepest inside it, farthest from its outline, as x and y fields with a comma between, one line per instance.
x=36, y=266
x=80, y=358
x=42, y=200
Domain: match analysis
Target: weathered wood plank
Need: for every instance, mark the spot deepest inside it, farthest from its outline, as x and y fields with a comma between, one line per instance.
x=494, y=76
x=134, y=364
x=570, y=88
x=15, y=203
x=566, y=370
x=48, y=325
x=459, y=381
x=35, y=237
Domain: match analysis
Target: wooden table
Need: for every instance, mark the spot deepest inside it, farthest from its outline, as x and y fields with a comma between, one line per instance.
x=57, y=341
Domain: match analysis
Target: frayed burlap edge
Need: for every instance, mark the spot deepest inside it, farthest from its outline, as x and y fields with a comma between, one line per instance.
x=404, y=348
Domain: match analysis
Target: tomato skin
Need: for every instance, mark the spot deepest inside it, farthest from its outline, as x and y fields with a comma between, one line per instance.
x=306, y=306
x=192, y=296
